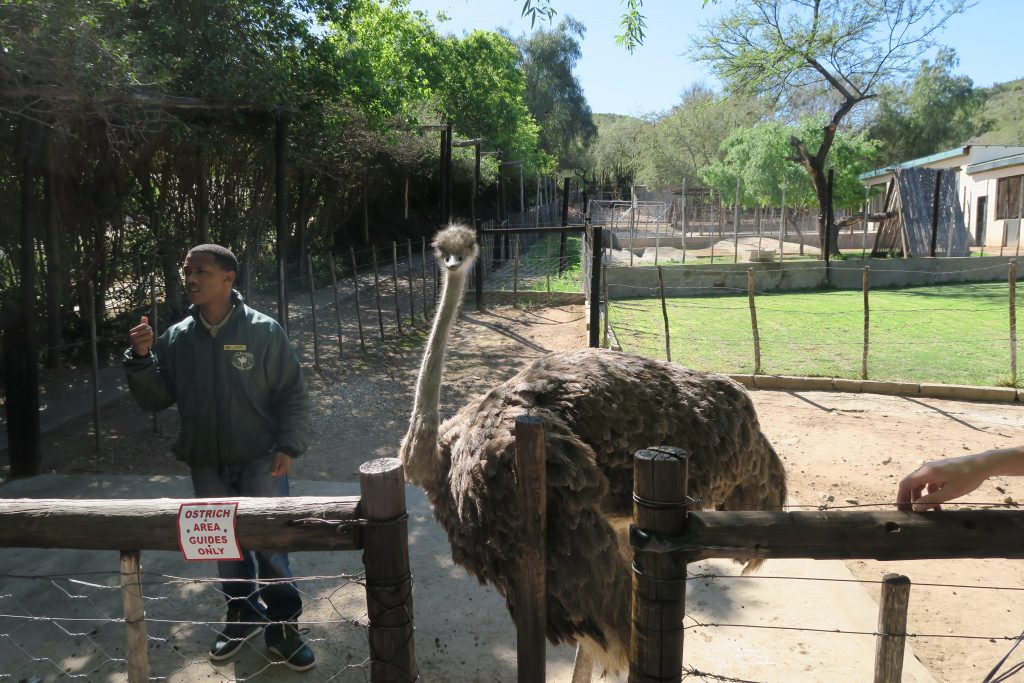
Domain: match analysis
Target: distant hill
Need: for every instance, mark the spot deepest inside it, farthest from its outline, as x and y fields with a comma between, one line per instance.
x=1002, y=120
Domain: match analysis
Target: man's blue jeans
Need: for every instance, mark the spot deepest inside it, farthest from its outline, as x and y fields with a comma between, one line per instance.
x=281, y=597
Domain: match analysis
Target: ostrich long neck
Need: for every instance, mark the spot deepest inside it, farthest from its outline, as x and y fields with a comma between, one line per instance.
x=423, y=427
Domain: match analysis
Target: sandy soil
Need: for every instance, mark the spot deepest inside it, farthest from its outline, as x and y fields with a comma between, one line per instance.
x=839, y=449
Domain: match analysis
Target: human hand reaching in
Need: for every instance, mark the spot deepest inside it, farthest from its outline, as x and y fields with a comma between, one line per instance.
x=938, y=481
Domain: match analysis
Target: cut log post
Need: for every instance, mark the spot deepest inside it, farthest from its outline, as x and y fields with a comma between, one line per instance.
x=659, y=579
x=388, y=578
x=892, y=629
x=134, y=616
x=531, y=570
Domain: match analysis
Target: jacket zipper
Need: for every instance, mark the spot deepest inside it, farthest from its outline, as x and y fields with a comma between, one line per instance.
x=216, y=396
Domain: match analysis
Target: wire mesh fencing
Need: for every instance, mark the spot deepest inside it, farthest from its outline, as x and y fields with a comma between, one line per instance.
x=953, y=333
x=71, y=626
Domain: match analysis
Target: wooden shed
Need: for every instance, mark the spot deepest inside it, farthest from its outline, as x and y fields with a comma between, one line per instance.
x=926, y=218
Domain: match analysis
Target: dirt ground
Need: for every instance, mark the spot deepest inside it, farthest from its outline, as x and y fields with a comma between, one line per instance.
x=839, y=450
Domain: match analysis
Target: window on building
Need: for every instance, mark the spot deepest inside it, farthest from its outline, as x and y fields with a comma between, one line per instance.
x=1008, y=197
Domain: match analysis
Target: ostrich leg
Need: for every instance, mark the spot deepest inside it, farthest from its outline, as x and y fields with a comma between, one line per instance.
x=583, y=667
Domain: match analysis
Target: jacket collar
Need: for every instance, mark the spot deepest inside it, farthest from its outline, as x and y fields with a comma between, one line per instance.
x=236, y=300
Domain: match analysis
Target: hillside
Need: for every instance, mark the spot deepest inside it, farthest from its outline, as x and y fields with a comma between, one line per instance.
x=1002, y=119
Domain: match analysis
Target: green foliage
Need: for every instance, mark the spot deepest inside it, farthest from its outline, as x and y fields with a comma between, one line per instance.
x=937, y=112
x=1001, y=120
x=761, y=158
x=554, y=94
x=482, y=90
x=390, y=58
x=617, y=156
x=681, y=142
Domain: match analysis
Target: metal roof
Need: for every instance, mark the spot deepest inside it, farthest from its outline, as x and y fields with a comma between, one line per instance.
x=993, y=164
x=921, y=161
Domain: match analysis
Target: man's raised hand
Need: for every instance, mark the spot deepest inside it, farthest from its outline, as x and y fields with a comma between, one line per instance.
x=141, y=337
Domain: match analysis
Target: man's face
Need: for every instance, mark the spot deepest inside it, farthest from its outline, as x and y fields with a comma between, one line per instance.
x=205, y=280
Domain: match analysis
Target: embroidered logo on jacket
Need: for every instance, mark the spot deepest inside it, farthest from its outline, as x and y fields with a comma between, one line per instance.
x=243, y=360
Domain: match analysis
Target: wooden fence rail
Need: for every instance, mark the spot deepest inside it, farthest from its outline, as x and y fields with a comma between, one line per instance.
x=374, y=522
x=820, y=535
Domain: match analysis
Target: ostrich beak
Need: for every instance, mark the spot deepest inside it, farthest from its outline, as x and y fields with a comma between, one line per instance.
x=452, y=262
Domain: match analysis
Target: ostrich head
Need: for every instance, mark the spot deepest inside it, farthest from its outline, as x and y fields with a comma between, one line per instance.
x=456, y=250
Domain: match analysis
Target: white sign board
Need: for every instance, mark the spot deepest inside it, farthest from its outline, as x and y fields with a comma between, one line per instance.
x=206, y=531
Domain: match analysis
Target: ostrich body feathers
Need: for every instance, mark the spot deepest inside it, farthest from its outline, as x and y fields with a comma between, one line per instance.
x=599, y=407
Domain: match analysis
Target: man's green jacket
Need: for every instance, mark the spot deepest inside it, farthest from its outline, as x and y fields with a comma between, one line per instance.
x=241, y=395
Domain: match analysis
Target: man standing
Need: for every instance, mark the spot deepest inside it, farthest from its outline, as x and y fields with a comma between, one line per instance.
x=244, y=414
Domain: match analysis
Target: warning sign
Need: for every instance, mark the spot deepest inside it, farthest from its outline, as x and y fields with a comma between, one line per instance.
x=206, y=531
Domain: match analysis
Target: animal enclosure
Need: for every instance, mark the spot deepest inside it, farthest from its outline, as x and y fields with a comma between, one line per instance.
x=162, y=636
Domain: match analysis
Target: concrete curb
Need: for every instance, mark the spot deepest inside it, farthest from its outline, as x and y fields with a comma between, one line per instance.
x=955, y=392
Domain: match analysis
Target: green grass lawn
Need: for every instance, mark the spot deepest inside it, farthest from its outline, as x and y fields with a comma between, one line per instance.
x=957, y=334
x=538, y=267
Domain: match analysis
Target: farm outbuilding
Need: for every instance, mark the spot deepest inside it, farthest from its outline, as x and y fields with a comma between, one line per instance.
x=988, y=189
x=925, y=218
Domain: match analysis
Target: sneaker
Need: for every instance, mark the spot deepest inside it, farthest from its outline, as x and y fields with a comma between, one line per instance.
x=289, y=648
x=231, y=639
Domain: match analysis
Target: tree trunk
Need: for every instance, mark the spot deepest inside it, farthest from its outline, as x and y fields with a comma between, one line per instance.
x=815, y=167
x=54, y=272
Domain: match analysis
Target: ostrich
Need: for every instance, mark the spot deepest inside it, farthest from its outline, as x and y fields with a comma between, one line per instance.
x=599, y=407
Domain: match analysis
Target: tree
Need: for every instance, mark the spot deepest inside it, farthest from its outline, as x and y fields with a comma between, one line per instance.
x=483, y=92
x=782, y=47
x=617, y=154
x=554, y=94
x=759, y=157
x=687, y=138
x=938, y=111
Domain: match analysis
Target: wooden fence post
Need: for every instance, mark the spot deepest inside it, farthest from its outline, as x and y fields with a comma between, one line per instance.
x=355, y=289
x=412, y=293
x=607, y=305
x=1013, y=321
x=388, y=578
x=595, y=286
x=94, y=356
x=892, y=629
x=312, y=312
x=531, y=570
x=753, y=321
x=664, y=314
x=376, y=290
x=134, y=616
x=423, y=269
x=337, y=305
x=394, y=265
x=659, y=579
x=154, y=322
x=867, y=320
x=515, y=270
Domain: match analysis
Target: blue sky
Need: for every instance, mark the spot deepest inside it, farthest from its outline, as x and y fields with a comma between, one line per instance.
x=651, y=79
